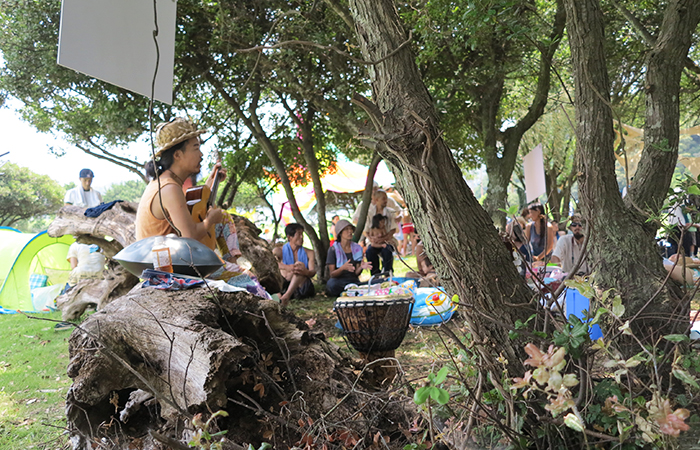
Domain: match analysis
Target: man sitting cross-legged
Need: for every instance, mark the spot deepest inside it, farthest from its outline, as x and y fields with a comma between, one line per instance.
x=297, y=265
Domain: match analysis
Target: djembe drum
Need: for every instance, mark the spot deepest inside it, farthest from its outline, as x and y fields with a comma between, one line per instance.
x=374, y=323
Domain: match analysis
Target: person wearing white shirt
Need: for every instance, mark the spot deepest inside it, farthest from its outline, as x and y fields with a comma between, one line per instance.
x=391, y=203
x=83, y=195
x=569, y=248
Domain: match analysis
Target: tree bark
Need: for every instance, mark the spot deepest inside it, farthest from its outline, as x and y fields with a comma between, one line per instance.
x=117, y=223
x=258, y=253
x=665, y=64
x=622, y=249
x=306, y=139
x=115, y=282
x=458, y=234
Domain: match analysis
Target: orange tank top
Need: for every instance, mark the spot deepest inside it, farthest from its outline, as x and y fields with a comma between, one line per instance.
x=147, y=224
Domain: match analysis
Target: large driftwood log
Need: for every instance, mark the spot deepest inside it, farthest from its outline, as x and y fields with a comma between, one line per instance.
x=256, y=250
x=112, y=231
x=190, y=352
x=117, y=223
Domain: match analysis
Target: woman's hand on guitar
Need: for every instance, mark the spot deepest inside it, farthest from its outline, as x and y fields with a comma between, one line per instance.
x=221, y=171
x=215, y=215
x=217, y=174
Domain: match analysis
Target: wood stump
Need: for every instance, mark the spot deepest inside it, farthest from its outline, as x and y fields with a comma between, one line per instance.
x=179, y=354
x=259, y=252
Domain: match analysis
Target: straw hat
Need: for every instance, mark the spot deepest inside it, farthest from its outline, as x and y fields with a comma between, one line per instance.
x=173, y=132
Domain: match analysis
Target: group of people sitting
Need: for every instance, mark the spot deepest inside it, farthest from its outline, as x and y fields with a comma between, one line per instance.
x=345, y=261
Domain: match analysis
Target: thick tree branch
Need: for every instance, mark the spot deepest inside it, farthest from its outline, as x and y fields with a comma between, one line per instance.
x=665, y=63
x=648, y=38
x=342, y=12
x=260, y=48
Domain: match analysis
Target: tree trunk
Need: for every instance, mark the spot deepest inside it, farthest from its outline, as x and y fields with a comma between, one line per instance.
x=177, y=354
x=665, y=64
x=366, y=197
x=270, y=150
x=321, y=241
x=458, y=234
x=622, y=249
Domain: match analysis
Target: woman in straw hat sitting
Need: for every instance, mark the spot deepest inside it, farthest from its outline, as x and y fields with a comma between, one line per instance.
x=178, y=157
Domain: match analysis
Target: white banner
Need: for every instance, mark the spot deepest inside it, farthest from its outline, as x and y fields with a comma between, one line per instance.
x=113, y=40
x=533, y=166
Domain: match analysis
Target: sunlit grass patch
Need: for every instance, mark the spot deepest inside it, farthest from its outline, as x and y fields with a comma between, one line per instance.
x=8, y=410
x=33, y=382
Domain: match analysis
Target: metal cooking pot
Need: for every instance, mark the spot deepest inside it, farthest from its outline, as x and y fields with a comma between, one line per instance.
x=190, y=257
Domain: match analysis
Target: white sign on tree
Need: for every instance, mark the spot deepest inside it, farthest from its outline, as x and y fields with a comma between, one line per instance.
x=533, y=166
x=113, y=40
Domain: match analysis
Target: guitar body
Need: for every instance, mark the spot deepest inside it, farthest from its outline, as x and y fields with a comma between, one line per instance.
x=198, y=201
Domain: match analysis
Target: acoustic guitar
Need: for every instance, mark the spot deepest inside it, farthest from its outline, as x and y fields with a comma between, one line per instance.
x=199, y=199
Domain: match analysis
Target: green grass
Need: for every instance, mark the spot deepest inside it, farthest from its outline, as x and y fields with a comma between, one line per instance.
x=33, y=382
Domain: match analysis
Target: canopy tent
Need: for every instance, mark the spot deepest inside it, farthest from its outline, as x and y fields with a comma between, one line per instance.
x=349, y=177
x=26, y=254
x=634, y=144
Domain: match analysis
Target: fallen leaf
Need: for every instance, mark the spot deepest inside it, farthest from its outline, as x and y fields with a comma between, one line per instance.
x=261, y=388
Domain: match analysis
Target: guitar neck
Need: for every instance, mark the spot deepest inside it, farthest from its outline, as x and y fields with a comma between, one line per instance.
x=214, y=188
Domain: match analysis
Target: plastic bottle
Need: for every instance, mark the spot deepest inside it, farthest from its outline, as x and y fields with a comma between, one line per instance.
x=161, y=255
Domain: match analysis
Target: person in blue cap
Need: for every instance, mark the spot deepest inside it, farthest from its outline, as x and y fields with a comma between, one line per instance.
x=83, y=195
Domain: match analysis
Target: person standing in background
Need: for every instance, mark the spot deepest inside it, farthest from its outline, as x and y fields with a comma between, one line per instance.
x=83, y=195
x=331, y=231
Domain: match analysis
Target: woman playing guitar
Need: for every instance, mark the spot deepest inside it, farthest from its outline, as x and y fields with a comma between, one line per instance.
x=163, y=206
